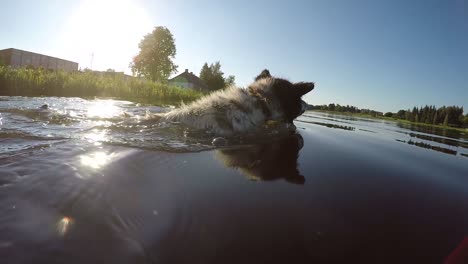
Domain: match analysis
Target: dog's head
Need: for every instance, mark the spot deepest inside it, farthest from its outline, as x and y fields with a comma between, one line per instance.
x=282, y=92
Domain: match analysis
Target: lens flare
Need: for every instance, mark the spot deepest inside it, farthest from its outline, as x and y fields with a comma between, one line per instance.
x=64, y=225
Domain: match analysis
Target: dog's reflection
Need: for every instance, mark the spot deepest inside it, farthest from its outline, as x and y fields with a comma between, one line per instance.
x=267, y=161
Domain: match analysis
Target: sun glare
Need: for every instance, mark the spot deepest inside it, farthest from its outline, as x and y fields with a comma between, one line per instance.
x=96, y=136
x=103, y=109
x=104, y=34
x=96, y=160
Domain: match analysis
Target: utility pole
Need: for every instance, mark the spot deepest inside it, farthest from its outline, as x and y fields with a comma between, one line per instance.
x=92, y=58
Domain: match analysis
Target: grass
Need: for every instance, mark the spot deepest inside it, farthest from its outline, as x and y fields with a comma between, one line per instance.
x=40, y=82
x=459, y=129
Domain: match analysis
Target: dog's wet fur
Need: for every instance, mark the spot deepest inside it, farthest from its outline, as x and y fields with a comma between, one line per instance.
x=235, y=111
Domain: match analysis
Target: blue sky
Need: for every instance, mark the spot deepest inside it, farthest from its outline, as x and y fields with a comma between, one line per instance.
x=383, y=55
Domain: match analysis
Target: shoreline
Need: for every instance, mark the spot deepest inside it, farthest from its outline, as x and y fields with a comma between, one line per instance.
x=459, y=129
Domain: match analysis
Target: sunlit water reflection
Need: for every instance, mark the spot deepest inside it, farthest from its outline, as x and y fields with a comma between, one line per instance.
x=97, y=181
x=96, y=160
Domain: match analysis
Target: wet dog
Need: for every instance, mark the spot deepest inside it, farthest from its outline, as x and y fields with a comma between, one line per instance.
x=235, y=111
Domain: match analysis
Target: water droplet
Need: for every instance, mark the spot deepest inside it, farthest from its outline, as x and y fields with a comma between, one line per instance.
x=219, y=141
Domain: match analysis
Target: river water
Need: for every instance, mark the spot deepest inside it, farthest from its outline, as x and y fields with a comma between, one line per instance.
x=97, y=181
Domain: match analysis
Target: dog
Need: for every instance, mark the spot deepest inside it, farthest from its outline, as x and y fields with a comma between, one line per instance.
x=239, y=111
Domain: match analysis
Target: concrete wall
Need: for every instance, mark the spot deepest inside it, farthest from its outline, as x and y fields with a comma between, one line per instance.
x=5, y=56
x=20, y=58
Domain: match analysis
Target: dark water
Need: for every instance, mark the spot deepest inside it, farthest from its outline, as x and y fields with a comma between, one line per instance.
x=97, y=182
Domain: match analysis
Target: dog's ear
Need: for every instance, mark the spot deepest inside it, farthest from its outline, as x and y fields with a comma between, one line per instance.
x=302, y=88
x=264, y=74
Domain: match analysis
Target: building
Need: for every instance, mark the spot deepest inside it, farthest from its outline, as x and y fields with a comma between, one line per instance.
x=189, y=80
x=20, y=58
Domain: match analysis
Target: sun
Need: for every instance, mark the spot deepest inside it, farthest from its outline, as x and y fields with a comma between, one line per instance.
x=103, y=34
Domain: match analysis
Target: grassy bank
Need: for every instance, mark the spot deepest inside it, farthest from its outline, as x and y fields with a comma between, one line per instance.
x=39, y=82
x=460, y=129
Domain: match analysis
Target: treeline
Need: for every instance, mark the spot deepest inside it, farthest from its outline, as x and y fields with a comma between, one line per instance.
x=41, y=82
x=445, y=115
x=345, y=109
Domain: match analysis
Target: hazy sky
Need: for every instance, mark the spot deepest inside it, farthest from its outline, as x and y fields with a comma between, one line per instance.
x=383, y=55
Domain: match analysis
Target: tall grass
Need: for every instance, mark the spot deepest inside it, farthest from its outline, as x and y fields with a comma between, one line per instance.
x=40, y=82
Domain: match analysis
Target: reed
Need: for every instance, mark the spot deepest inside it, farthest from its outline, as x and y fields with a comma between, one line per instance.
x=40, y=82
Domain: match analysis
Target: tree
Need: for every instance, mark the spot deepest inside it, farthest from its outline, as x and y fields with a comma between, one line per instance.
x=213, y=76
x=401, y=114
x=409, y=115
x=230, y=80
x=434, y=121
x=205, y=72
x=388, y=114
x=446, y=120
x=155, y=59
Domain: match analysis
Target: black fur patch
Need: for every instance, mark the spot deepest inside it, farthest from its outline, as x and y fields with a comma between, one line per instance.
x=289, y=96
x=264, y=74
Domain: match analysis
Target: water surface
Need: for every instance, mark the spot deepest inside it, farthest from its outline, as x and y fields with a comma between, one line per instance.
x=97, y=181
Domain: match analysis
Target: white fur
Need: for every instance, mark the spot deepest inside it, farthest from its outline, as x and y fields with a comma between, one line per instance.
x=220, y=113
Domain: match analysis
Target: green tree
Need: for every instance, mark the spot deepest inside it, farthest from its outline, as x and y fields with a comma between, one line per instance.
x=230, y=80
x=155, y=59
x=401, y=114
x=446, y=120
x=388, y=114
x=213, y=76
x=434, y=121
x=409, y=115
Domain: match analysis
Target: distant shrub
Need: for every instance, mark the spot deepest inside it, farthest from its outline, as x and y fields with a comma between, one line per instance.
x=388, y=114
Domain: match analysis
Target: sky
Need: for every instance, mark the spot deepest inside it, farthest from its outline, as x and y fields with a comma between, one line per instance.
x=382, y=55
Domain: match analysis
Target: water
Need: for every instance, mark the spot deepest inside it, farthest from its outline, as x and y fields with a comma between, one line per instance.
x=97, y=181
